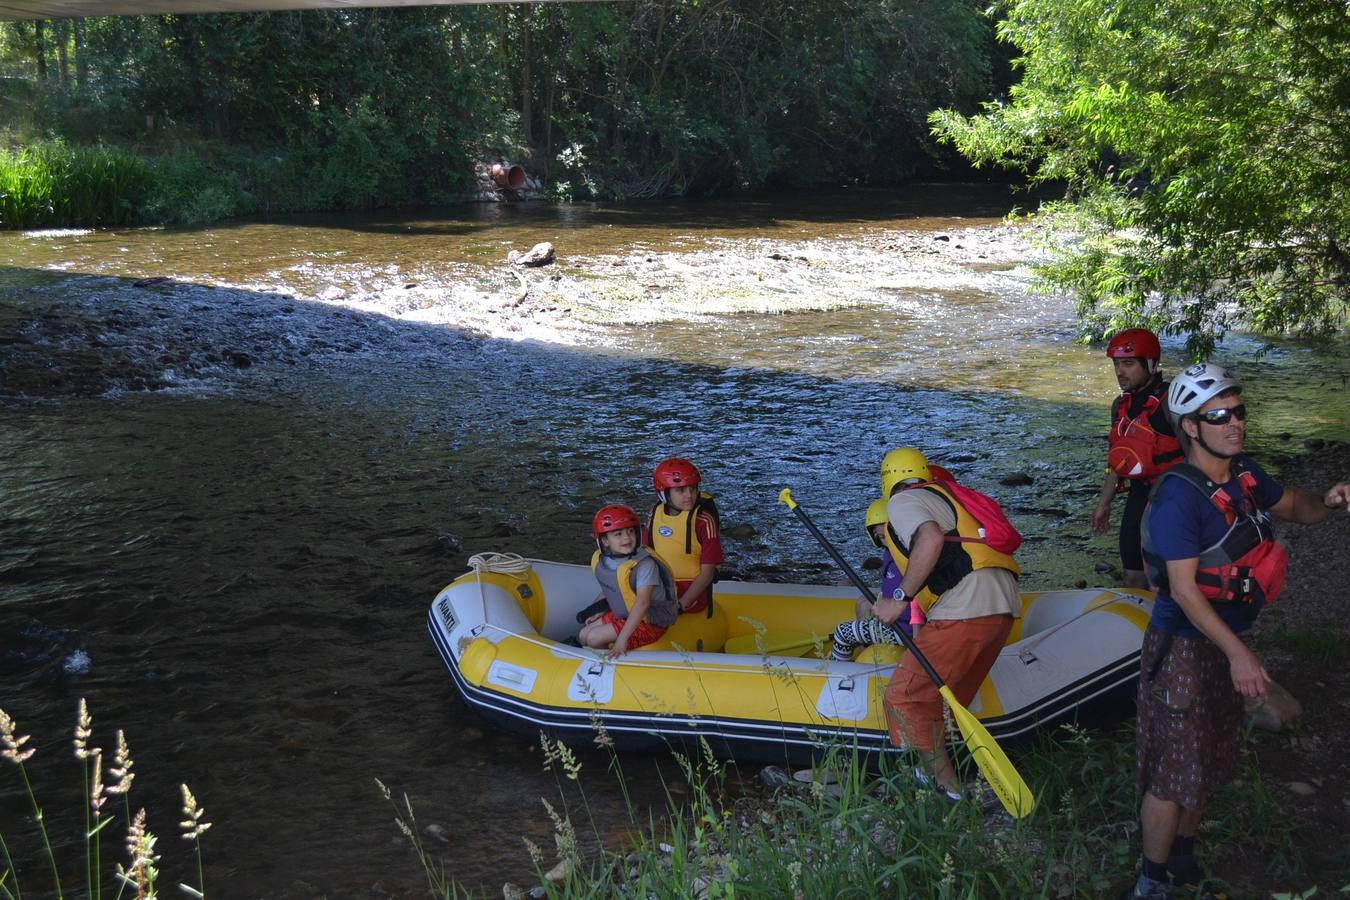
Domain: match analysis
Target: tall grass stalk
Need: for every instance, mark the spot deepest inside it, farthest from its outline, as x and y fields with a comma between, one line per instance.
x=141, y=872
x=13, y=744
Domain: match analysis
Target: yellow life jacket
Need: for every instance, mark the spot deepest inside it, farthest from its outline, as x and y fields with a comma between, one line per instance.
x=674, y=538
x=664, y=608
x=963, y=551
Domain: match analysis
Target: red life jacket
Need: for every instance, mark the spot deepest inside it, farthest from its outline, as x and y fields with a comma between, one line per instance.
x=1137, y=450
x=1247, y=565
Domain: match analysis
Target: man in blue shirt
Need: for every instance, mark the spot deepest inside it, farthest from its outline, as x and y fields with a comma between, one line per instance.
x=1210, y=553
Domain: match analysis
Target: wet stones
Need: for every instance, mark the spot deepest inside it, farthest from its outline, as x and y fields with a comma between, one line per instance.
x=540, y=254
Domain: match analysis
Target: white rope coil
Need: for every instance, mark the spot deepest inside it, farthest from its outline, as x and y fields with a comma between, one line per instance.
x=501, y=563
x=512, y=564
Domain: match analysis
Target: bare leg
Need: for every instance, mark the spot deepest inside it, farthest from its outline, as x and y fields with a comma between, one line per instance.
x=937, y=764
x=1162, y=821
x=597, y=635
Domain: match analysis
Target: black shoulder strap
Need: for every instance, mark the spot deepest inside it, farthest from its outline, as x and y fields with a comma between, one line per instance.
x=651, y=525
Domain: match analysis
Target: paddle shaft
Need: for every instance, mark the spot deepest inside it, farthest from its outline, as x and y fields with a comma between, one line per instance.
x=862, y=586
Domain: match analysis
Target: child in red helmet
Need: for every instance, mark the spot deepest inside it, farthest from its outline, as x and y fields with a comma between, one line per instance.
x=636, y=585
x=683, y=530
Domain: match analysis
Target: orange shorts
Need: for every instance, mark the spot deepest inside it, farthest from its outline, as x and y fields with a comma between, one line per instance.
x=643, y=634
x=962, y=651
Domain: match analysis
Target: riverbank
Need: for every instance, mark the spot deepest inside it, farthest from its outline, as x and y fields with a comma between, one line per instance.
x=845, y=828
x=163, y=331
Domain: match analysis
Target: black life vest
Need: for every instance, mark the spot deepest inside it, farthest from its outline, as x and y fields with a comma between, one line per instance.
x=1247, y=565
x=964, y=550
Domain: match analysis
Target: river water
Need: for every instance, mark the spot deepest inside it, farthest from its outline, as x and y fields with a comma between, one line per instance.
x=237, y=463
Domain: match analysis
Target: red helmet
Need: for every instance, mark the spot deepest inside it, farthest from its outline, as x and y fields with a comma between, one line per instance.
x=612, y=518
x=674, y=472
x=1135, y=342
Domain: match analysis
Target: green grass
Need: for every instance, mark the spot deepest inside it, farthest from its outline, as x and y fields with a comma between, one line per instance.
x=1310, y=643
x=884, y=835
x=56, y=185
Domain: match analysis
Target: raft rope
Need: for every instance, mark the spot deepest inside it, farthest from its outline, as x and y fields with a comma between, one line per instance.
x=1114, y=597
x=512, y=564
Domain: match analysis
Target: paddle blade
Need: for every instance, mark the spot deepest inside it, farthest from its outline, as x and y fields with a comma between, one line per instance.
x=994, y=764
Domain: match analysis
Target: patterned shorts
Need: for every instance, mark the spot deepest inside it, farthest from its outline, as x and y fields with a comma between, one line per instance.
x=644, y=634
x=1189, y=730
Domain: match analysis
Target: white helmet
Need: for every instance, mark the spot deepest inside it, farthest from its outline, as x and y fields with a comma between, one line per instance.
x=1196, y=386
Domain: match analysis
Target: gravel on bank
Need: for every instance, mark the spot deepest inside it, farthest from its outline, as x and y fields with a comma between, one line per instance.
x=1317, y=593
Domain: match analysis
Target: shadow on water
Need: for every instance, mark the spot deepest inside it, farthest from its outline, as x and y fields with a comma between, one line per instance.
x=245, y=502
x=753, y=213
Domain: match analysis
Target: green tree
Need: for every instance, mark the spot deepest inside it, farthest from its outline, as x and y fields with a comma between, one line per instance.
x=1206, y=148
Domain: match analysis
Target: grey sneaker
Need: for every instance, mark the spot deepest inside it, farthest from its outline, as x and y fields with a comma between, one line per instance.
x=1151, y=889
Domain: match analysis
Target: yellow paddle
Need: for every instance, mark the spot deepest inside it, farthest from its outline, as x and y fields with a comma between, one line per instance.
x=994, y=764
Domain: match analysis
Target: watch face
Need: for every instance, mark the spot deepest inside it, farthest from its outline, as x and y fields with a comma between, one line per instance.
x=898, y=594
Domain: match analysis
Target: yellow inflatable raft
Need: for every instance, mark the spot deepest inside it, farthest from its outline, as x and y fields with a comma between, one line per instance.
x=754, y=677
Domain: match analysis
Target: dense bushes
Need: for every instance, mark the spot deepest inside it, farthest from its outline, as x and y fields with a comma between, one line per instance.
x=366, y=108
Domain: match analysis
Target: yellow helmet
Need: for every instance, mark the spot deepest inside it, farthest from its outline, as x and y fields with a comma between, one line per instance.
x=900, y=465
x=876, y=515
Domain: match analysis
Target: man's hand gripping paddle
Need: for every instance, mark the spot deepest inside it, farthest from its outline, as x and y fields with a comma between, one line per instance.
x=994, y=764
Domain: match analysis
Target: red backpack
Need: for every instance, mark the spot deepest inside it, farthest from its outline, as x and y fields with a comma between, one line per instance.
x=999, y=534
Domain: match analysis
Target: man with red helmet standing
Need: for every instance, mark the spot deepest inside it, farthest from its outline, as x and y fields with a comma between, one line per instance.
x=1142, y=442
x=683, y=530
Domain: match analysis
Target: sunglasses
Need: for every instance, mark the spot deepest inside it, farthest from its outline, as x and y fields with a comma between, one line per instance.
x=1224, y=416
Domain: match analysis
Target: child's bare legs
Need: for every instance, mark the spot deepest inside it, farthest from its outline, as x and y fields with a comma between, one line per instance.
x=597, y=633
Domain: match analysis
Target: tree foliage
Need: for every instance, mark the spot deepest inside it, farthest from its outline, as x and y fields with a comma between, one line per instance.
x=359, y=107
x=1206, y=145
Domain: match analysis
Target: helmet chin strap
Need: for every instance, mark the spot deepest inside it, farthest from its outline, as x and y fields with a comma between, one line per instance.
x=1200, y=439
